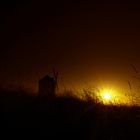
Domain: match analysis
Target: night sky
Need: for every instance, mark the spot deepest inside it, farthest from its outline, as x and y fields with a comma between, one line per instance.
x=89, y=43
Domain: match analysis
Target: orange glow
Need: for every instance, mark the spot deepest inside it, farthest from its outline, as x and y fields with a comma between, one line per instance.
x=112, y=96
x=107, y=96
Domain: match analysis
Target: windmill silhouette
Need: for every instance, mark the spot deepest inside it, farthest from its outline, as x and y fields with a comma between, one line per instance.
x=48, y=85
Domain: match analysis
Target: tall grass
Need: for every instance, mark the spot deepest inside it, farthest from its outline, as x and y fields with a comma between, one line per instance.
x=68, y=114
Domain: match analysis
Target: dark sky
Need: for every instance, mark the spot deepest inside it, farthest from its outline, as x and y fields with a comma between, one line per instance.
x=87, y=42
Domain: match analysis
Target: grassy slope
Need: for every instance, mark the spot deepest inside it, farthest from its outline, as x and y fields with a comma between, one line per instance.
x=67, y=118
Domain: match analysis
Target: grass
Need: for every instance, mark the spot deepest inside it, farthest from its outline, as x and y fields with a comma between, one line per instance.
x=66, y=117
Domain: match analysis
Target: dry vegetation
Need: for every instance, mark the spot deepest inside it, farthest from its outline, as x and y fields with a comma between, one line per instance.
x=66, y=117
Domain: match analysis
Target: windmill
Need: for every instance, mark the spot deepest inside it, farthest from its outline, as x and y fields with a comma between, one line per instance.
x=48, y=85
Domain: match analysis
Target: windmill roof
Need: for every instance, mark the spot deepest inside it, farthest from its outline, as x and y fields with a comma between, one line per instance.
x=46, y=78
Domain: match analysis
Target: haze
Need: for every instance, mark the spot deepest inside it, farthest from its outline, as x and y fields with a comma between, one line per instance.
x=88, y=43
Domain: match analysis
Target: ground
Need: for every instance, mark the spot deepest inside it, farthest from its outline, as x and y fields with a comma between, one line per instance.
x=24, y=116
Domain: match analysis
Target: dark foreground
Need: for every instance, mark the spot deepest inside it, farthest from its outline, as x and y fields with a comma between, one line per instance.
x=68, y=118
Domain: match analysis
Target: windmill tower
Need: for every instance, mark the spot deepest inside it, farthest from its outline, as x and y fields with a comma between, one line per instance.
x=48, y=86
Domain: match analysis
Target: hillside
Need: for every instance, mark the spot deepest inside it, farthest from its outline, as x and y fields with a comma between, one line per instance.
x=66, y=117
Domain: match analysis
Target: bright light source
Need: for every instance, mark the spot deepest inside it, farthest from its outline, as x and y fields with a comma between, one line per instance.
x=107, y=96
x=112, y=96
